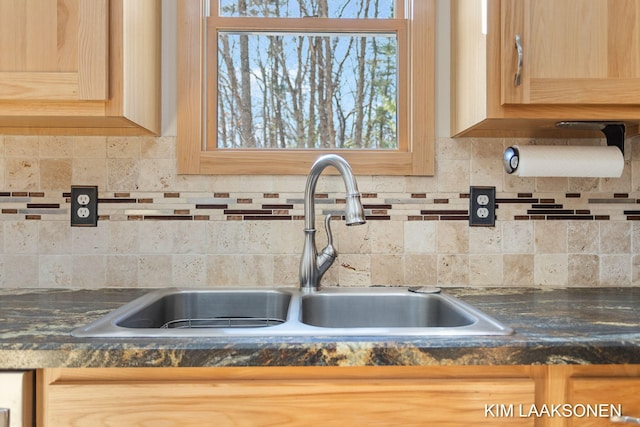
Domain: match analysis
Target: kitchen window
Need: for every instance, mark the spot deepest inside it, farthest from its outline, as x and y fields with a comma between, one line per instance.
x=265, y=87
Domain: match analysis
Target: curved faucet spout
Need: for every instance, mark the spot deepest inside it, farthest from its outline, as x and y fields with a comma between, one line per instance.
x=312, y=265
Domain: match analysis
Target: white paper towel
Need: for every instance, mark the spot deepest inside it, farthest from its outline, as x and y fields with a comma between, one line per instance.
x=565, y=160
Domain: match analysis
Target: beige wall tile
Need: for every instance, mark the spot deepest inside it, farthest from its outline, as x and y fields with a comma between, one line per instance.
x=516, y=184
x=89, y=171
x=156, y=237
x=122, y=237
x=352, y=240
x=483, y=240
x=453, y=176
x=223, y=270
x=584, y=184
x=55, y=174
x=21, y=146
x=453, y=237
x=157, y=148
x=551, y=270
x=583, y=237
x=44, y=250
x=255, y=270
x=89, y=146
x=453, y=270
x=89, y=240
x=486, y=163
x=21, y=271
x=54, y=237
x=89, y=271
x=420, y=237
x=584, y=270
x=618, y=185
x=286, y=270
x=453, y=148
x=154, y=271
x=55, y=147
x=517, y=237
x=551, y=185
x=21, y=237
x=387, y=270
x=550, y=237
x=387, y=237
x=55, y=271
x=485, y=270
x=189, y=237
x=122, y=174
x=615, y=237
x=615, y=270
x=420, y=270
x=518, y=270
x=155, y=174
x=635, y=270
x=123, y=147
x=122, y=271
x=22, y=173
x=190, y=270
x=353, y=270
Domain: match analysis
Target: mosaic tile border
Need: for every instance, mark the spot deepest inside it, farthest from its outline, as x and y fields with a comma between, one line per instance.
x=191, y=206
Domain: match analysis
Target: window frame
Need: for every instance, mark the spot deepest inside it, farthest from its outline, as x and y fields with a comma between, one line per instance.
x=415, y=155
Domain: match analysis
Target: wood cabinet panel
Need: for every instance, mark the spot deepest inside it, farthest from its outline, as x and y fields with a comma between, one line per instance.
x=600, y=396
x=80, y=67
x=382, y=396
x=579, y=62
x=54, y=50
x=574, y=52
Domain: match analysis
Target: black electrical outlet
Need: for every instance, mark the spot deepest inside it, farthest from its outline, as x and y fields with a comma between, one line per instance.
x=482, y=206
x=84, y=206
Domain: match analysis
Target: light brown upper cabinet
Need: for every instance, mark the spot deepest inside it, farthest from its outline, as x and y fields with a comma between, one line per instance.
x=80, y=67
x=256, y=110
x=532, y=63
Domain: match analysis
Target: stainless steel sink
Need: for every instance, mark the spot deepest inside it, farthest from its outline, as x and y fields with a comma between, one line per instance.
x=391, y=309
x=206, y=309
x=387, y=311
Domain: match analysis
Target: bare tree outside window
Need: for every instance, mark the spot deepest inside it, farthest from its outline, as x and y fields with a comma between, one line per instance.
x=296, y=89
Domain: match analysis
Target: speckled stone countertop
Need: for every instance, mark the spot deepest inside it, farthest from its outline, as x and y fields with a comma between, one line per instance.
x=553, y=326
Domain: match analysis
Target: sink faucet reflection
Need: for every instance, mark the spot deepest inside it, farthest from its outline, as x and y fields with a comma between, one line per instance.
x=312, y=264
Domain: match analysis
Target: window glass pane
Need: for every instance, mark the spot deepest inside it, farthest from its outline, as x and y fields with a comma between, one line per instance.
x=306, y=8
x=311, y=91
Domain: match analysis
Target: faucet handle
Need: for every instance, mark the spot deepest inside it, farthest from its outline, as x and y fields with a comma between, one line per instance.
x=329, y=253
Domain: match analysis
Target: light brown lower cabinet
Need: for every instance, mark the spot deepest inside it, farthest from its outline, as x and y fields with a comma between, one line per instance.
x=328, y=396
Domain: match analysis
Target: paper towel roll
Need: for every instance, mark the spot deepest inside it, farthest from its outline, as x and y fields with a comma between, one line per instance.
x=564, y=160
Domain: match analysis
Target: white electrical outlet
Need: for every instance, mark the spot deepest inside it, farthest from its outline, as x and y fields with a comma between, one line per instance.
x=83, y=199
x=482, y=199
x=84, y=205
x=482, y=206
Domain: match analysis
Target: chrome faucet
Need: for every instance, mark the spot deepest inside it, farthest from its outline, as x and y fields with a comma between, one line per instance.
x=312, y=265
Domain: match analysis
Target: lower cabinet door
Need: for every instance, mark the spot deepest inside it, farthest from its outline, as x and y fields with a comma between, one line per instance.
x=600, y=401
x=290, y=402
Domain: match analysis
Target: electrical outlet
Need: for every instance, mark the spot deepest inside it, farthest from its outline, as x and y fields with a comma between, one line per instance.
x=84, y=206
x=482, y=206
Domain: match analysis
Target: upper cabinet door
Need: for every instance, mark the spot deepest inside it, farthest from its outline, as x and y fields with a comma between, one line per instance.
x=55, y=50
x=572, y=51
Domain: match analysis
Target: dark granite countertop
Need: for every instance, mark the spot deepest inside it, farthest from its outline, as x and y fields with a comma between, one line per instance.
x=553, y=326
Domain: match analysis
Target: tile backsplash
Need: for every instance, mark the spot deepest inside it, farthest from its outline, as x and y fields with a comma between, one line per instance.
x=159, y=229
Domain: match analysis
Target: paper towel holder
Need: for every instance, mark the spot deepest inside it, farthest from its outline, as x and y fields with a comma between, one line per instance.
x=613, y=131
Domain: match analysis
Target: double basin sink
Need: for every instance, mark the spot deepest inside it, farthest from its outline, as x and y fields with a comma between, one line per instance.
x=384, y=311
